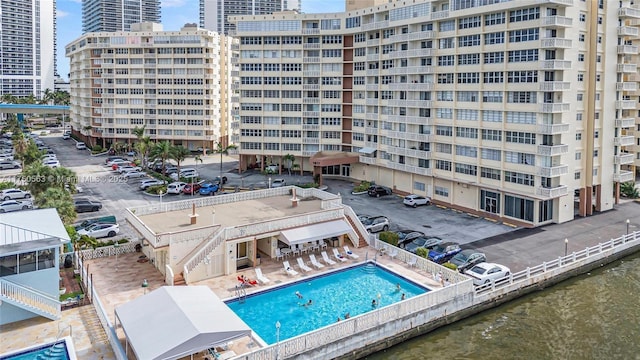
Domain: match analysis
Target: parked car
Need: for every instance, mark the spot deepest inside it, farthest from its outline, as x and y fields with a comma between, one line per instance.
x=377, y=191
x=103, y=219
x=169, y=169
x=272, y=169
x=86, y=205
x=66, y=136
x=81, y=146
x=208, y=189
x=408, y=235
x=374, y=223
x=278, y=183
x=111, y=158
x=186, y=173
x=466, y=259
x=486, y=273
x=8, y=164
x=52, y=163
x=133, y=174
x=192, y=188
x=13, y=194
x=416, y=200
x=78, y=188
x=126, y=168
x=100, y=230
x=118, y=162
x=144, y=185
x=15, y=205
x=426, y=242
x=176, y=187
x=443, y=252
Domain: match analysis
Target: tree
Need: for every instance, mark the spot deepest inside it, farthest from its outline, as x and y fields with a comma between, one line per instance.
x=9, y=99
x=26, y=150
x=629, y=190
x=223, y=150
x=143, y=145
x=40, y=178
x=60, y=200
x=178, y=154
x=163, y=151
x=288, y=160
x=61, y=97
x=47, y=97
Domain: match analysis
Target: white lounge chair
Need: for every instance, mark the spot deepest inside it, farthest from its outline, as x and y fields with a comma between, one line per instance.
x=338, y=256
x=302, y=265
x=261, y=278
x=412, y=262
x=326, y=259
x=350, y=253
x=289, y=269
x=315, y=262
x=393, y=253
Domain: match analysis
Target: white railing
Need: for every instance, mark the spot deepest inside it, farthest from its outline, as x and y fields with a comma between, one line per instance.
x=11, y=233
x=348, y=212
x=31, y=299
x=562, y=264
x=365, y=323
x=199, y=256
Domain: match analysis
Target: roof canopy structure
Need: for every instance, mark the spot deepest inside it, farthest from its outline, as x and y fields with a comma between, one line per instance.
x=19, y=231
x=173, y=322
x=34, y=109
x=314, y=232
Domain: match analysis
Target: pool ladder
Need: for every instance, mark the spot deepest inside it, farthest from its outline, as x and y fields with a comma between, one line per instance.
x=370, y=268
x=241, y=293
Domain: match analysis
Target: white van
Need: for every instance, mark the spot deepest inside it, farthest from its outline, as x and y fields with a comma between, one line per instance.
x=81, y=146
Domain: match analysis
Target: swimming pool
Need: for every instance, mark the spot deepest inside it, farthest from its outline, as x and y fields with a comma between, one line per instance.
x=333, y=294
x=53, y=351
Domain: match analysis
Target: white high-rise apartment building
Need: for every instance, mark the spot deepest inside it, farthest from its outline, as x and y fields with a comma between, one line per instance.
x=117, y=15
x=27, y=47
x=167, y=81
x=214, y=14
x=516, y=110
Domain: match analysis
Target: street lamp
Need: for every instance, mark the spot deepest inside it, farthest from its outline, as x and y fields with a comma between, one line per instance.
x=116, y=246
x=628, y=226
x=277, y=340
x=160, y=193
x=145, y=285
x=566, y=246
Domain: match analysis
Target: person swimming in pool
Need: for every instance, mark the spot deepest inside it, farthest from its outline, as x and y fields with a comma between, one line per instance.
x=299, y=295
x=308, y=303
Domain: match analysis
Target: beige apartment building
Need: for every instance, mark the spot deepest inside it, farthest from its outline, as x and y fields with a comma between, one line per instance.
x=175, y=83
x=517, y=110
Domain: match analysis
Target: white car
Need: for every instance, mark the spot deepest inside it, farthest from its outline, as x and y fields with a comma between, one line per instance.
x=12, y=194
x=66, y=136
x=52, y=163
x=186, y=173
x=151, y=182
x=133, y=174
x=416, y=200
x=14, y=205
x=273, y=169
x=9, y=164
x=81, y=146
x=486, y=273
x=278, y=183
x=176, y=187
x=100, y=230
x=118, y=162
x=127, y=168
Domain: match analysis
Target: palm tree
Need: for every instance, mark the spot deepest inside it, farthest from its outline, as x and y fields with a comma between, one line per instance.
x=9, y=99
x=28, y=154
x=61, y=98
x=288, y=160
x=143, y=143
x=163, y=151
x=47, y=96
x=178, y=154
x=223, y=150
x=20, y=145
x=60, y=200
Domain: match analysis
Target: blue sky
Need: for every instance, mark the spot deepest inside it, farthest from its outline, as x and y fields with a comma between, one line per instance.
x=175, y=13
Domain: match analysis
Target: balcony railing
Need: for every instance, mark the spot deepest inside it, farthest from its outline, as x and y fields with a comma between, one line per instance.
x=553, y=192
x=552, y=150
x=624, y=176
x=417, y=120
x=411, y=86
x=626, y=123
x=627, y=31
x=624, y=140
x=555, y=107
x=627, y=50
x=367, y=160
x=556, y=21
x=623, y=159
x=554, y=85
x=555, y=64
x=552, y=129
x=552, y=171
x=556, y=43
x=627, y=12
x=627, y=86
x=625, y=105
x=628, y=68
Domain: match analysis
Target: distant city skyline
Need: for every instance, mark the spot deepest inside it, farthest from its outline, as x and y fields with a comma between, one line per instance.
x=175, y=13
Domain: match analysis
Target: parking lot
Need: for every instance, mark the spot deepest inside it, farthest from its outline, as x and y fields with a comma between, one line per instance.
x=447, y=224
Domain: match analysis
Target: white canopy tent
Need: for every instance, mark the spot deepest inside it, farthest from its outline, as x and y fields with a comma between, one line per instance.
x=177, y=321
x=305, y=234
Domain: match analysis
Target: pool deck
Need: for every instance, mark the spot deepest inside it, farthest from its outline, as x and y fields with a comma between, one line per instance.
x=118, y=287
x=229, y=215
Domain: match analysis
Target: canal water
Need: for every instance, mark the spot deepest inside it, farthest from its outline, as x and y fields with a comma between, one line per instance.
x=593, y=316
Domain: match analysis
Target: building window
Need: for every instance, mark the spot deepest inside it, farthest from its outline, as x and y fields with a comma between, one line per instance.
x=419, y=186
x=441, y=191
x=490, y=201
x=518, y=208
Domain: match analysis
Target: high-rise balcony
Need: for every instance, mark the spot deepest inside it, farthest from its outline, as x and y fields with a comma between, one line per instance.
x=373, y=57
x=552, y=150
x=625, y=105
x=626, y=123
x=555, y=85
x=311, y=46
x=375, y=25
x=628, y=12
x=555, y=65
x=411, y=86
x=411, y=103
x=624, y=176
x=311, y=60
x=554, y=107
x=628, y=68
x=372, y=87
x=311, y=100
x=626, y=140
x=416, y=120
x=311, y=87
x=309, y=140
x=553, y=129
x=627, y=31
x=403, y=54
x=552, y=192
x=311, y=73
x=557, y=2
x=558, y=43
x=627, y=50
x=627, y=86
x=623, y=159
x=419, y=154
x=551, y=21
x=552, y=171
x=367, y=160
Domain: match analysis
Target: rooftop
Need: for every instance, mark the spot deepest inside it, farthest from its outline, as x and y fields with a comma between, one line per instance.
x=17, y=229
x=230, y=214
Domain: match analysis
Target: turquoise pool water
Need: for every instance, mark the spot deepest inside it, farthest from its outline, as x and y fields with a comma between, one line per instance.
x=56, y=351
x=333, y=295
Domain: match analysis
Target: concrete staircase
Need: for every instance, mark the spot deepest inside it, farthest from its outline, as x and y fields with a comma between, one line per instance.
x=362, y=242
x=178, y=280
x=30, y=299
